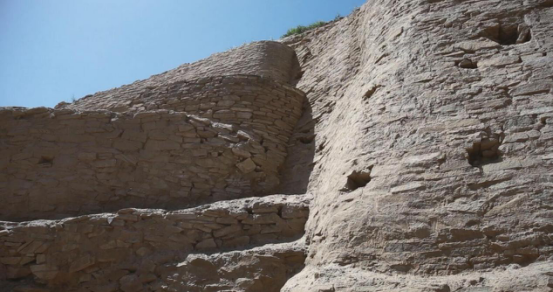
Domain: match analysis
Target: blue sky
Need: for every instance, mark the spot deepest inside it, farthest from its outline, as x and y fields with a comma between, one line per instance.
x=56, y=50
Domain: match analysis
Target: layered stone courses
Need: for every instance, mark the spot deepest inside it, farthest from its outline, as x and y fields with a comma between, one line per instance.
x=426, y=141
x=172, y=141
x=205, y=96
x=268, y=59
x=213, y=139
x=88, y=250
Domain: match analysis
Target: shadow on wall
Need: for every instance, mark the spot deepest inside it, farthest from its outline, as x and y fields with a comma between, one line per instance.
x=301, y=152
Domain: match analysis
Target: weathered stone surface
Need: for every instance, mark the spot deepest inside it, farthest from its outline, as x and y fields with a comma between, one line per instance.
x=425, y=140
x=260, y=269
x=166, y=157
x=73, y=248
x=446, y=102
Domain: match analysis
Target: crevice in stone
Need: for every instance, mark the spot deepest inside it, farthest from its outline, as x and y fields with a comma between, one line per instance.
x=487, y=183
x=357, y=179
x=298, y=165
x=370, y=92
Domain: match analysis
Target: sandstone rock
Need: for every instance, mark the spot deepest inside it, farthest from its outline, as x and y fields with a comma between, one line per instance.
x=424, y=136
x=246, y=166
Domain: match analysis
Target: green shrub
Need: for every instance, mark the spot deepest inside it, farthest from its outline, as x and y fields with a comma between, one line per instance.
x=301, y=29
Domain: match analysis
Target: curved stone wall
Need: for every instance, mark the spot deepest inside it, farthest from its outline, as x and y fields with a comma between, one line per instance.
x=272, y=60
x=230, y=143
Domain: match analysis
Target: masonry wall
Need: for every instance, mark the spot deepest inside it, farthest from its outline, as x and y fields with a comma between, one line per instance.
x=268, y=59
x=104, y=248
x=218, y=144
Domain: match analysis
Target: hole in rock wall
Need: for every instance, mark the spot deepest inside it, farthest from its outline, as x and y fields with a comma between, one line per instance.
x=371, y=92
x=484, y=150
x=467, y=64
x=509, y=33
x=472, y=222
x=357, y=179
x=46, y=161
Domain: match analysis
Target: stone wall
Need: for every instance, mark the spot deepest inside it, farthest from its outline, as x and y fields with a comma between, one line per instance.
x=226, y=139
x=104, y=248
x=272, y=60
x=203, y=96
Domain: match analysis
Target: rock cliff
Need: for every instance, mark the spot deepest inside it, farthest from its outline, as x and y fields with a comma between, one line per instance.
x=405, y=147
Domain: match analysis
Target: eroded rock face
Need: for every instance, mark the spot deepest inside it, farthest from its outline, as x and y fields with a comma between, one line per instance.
x=445, y=106
x=425, y=143
x=265, y=268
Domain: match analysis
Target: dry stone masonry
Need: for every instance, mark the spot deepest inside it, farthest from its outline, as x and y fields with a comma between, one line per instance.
x=89, y=248
x=406, y=147
x=225, y=139
x=206, y=132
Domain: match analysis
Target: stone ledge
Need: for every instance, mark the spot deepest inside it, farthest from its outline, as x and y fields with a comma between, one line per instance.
x=63, y=251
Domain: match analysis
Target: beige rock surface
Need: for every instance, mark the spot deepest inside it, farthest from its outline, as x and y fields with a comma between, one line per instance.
x=206, y=140
x=444, y=106
x=424, y=143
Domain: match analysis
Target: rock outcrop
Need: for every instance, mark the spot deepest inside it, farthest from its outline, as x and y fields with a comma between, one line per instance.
x=406, y=147
x=433, y=163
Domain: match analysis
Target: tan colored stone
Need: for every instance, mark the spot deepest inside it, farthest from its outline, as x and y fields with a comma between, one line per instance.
x=246, y=166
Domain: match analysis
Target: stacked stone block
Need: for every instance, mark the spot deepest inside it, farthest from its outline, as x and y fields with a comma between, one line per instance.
x=207, y=140
x=172, y=141
x=79, y=250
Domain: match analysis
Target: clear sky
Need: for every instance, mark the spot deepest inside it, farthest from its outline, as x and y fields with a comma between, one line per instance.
x=56, y=50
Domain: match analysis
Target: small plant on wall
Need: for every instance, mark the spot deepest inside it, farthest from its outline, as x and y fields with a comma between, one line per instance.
x=301, y=29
